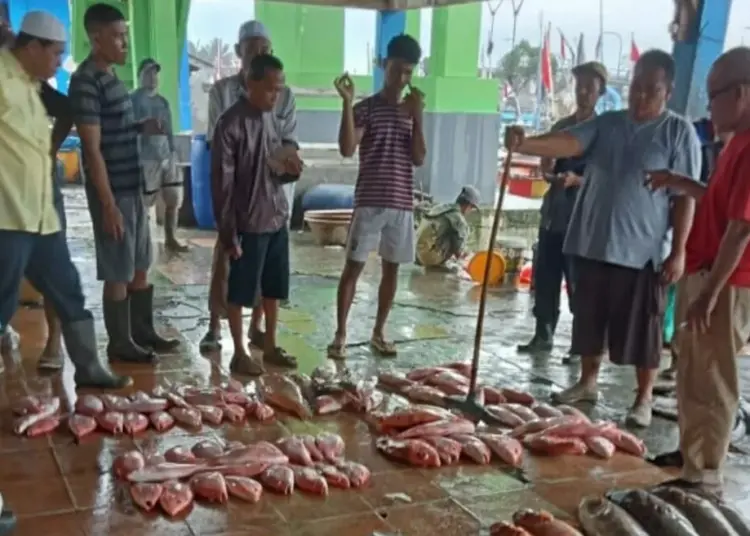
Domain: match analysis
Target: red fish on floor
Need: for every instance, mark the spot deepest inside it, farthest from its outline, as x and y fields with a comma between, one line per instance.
x=134, y=423
x=474, y=448
x=81, y=425
x=176, y=497
x=333, y=476
x=244, y=488
x=508, y=449
x=309, y=480
x=210, y=486
x=161, y=421
x=127, y=463
x=331, y=446
x=278, y=478
x=146, y=495
x=189, y=417
x=412, y=451
x=448, y=449
x=446, y=427
x=210, y=414
x=89, y=405
x=294, y=448
x=111, y=421
x=358, y=474
x=179, y=454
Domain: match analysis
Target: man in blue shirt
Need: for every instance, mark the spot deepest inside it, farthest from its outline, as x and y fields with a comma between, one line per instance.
x=628, y=240
x=564, y=176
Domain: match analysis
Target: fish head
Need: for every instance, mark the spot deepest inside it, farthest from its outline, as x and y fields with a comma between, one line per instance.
x=175, y=497
x=423, y=455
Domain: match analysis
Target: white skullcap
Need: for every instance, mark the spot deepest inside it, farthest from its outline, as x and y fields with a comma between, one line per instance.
x=253, y=29
x=44, y=26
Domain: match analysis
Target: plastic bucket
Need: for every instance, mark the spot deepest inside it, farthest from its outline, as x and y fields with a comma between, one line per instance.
x=478, y=264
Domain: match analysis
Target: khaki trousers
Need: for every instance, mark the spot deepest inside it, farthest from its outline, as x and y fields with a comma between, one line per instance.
x=708, y=390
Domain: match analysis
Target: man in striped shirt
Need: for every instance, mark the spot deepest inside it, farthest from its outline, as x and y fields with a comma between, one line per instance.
x=389, y=133
x=103, y=113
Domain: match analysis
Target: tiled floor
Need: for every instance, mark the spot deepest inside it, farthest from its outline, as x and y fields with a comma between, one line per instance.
x=58, y=487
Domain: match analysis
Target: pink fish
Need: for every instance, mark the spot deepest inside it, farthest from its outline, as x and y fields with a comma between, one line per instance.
x=358, y=474
x=244, y=488
x=247, y=469
x=578, y=428
x=443, y=428
x=161, y=421
x=412, y=451
x=48, y=409
x=504, y=416
x=146, y=406
x=508, y=449
x=127, y=463
x=309, y=480
x=333, y=476
x=43, y=426
x=331, y=446
x=134, y=423
x=533, y=427
x=165, y=471
x=114, y=402
x=409, y=417
x=260, y=411
x=526, y=413
x=421, y=374
x=625, y=441
x=394, y=380
x=89, y=405
x=278, y=478
x=294, y=448
x=189, y=417
x=328, y=404
x=207, y=449
x=238, y=398
x=281, y=392
x=450, y=382
x=179, y=454
x=175, y=498
x=27, y=405
x=81, y=425
x=493, y=396
x=146, y=494
x=517, y=397
x=260, y=452
x=462, y=368
x=176, y=400
x=233, y=413
x=600, y=446
x=211, y=414
x=474, y=448
x=312, y=448
x=111, y=421
x=210, y=486
x=425, y=393
x=545, y=411
x=572, y=411
x=448, y=449
x=555, y=446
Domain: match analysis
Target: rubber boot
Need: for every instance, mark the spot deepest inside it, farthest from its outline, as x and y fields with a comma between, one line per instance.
x=142, y=320
x=80, y=340
x=541, y=341
x=121, y=346
x=7, y=520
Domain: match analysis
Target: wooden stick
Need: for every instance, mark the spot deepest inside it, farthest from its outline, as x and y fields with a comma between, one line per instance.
x=483, y=295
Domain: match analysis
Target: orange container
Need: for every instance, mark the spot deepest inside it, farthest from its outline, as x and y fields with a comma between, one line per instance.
x=478, y=264
x=71, y=162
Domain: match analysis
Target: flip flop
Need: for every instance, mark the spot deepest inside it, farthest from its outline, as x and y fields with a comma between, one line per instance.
x=280, y=358
x=337, y=351
x=384, y=348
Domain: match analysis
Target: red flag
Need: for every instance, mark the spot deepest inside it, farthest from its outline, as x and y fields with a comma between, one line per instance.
x=546, y=65
x=635, y=54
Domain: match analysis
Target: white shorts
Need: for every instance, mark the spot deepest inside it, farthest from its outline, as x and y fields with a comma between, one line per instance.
x=162, y=177
x=388, y=229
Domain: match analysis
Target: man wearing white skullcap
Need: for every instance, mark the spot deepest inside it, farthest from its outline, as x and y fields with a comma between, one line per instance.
x=252, y=41
x=31, y=239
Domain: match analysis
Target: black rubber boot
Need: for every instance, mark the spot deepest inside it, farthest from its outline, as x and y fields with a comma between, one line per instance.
x=668, y=459
x=541, y=341
x=142, y=320
x=80, y=340
x=7, y=523
x=121, y=346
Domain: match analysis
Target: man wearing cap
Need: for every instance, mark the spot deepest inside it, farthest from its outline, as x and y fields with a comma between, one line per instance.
x=629, y=242
x=564, y=176
x=103, y=114
x=31, y=240
x=444, y=231
x=157, y=151
x=253, y=40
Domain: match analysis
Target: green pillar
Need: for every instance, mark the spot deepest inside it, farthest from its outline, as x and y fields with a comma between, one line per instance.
x=413, y=23
x=283, y=21
x=455, y=50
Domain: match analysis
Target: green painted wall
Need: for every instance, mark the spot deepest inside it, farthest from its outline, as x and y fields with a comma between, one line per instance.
x=157, y=30
x=414, y=23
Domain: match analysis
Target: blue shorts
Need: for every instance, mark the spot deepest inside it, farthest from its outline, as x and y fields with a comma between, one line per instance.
x=263, y=268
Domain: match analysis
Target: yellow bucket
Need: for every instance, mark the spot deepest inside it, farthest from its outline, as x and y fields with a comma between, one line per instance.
x=478, y=264
x=71, y=164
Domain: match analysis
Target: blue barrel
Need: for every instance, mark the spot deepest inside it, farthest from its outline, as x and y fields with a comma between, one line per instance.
x=200, y=183
x=328, y=197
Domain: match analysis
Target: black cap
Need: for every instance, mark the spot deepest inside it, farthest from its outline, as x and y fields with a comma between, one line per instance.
x=148, y=63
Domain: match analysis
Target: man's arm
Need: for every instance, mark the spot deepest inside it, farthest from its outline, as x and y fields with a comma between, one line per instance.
x=58, y=107
x=168, y=127
x=223, y=173
x=418, y=143
x=353, y=120
x=573, y=141
x=84, y=101
x=288, y=123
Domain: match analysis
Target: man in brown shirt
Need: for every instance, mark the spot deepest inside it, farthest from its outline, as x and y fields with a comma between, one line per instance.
x=251, y=209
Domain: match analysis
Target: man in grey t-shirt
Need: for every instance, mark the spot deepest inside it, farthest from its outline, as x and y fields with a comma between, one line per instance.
x=628, y=240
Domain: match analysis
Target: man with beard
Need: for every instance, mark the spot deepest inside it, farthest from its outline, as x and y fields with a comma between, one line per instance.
x=253, y=41
x=620, y=231
x=716, y=288
x=103, y=114
x=157, y=152
x=564, y=176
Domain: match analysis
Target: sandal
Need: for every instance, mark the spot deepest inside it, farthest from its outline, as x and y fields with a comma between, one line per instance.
x=337, y=351
x=280, y=358
x=383, y=347
x=245, y=365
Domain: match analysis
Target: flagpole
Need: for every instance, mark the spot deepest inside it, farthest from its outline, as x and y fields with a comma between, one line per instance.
x=539, y=91
x=601, y=30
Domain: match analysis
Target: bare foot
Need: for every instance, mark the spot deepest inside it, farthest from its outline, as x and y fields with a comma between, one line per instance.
x=242, y=363
x=175, y=247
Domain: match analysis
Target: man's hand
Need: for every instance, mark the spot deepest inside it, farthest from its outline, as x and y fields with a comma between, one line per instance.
x=673, y=267
x=151, y=127
x=699, y=312
x=113, y=224
x=661, y=178
x=293, y=164
x=514, y=137
x=345, y=87
x=414, y=102
x=235, y=252
x=570, y=179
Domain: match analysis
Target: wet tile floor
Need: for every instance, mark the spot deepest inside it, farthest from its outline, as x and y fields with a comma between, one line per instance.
x=57, y=487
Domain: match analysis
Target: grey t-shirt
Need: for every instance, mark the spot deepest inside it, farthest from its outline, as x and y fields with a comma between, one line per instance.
x=617, y=219
x=152, y=105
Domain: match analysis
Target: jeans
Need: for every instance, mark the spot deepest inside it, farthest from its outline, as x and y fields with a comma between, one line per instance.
x=551, y=266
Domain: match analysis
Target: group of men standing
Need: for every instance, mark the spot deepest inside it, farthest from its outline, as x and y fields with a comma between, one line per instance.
x=640, y=221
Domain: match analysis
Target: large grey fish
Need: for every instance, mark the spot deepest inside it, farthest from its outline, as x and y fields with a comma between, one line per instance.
x=739, y=522
x=656, y=516
x=601, y=517
x=705, y=517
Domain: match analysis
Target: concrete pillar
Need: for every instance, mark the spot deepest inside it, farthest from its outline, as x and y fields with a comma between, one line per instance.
x=455, y=50
x=694, y=57
x=388, y=25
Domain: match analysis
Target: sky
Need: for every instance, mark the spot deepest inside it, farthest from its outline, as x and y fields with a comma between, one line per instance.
x=648, y=28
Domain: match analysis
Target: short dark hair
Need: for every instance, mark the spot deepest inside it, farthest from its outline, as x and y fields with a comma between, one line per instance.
x=404, y=47
x=658, y=59
x=101, y=14
x=262, y=63
x=23, y=39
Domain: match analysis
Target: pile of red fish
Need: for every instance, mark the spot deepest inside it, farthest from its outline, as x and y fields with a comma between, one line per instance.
x=213, y=472
x=533, y=523
x=36, y=416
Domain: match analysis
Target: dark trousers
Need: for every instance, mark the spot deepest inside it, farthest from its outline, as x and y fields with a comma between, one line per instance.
x=46, y=263
x=552, y=265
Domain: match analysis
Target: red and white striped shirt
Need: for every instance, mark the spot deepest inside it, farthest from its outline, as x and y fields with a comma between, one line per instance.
x=386, y=172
